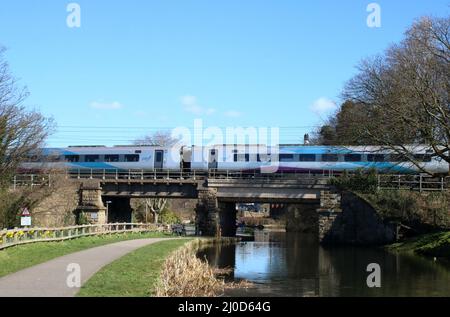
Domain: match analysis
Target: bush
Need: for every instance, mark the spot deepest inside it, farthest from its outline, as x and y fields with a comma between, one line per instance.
x=169, y=217
x=360, y=181
x=417, y=210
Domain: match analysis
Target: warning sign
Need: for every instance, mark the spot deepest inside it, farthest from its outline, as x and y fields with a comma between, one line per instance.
x=25, y=219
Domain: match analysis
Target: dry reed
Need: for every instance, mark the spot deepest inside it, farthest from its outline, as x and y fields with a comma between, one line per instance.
x=183, y=274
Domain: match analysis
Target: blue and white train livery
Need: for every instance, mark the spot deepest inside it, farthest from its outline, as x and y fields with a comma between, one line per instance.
x=283, y=158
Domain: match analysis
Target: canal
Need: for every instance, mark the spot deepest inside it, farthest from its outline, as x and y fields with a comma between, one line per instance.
x=291, y=264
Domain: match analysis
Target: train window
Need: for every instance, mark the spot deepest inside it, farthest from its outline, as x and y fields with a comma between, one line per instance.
x=286, y=157
x=307, y=158
x=375, y=157
x=263, y=158
x=91, y=158
x=53, y=158
x=32, y=158
x=399, y=158
x=111, y=158
x=330, y=157
x=131, y=158
x=422, y=157
x=242, y=157
x=72, y=158
x=352, y=157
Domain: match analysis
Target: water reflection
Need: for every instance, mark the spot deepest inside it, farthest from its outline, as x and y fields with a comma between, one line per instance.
x=283, y=264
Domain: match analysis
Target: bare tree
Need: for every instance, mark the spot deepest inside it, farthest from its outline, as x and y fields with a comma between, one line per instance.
x=405, y=92
x=22, y=131
x=156, y=206
x=159, y=138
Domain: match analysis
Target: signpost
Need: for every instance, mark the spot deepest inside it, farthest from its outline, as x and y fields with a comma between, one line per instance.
x=25, y=218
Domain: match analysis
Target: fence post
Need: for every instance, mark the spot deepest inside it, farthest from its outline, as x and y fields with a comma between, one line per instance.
x=420, y=183
x=15, y=181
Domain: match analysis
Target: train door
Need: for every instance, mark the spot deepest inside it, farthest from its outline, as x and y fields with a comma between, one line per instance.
x=186, y=158
x=212, y=161
x=159, y=159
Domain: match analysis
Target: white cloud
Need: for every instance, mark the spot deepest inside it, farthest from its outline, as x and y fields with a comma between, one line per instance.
x=190, y=104
x=106, y=105
x=232, y=113
x=323, y=106
x=210, y=111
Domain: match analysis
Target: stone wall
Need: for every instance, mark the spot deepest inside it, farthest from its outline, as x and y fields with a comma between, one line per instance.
x=207, y=213
x=57, y=209
x=357, y=224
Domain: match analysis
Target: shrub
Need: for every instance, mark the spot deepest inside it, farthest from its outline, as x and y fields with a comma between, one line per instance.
x=169, y=217
x=361, y=181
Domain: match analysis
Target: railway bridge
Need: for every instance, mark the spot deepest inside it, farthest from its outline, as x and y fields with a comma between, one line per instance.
x=218, y=193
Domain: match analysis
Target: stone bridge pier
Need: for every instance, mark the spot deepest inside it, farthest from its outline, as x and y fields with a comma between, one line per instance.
x=213, y=217
x=90, y=205
x=329, y=210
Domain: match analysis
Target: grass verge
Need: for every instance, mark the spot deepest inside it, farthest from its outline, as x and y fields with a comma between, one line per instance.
x=20, y=257
x=433, y=244
x=135, y=274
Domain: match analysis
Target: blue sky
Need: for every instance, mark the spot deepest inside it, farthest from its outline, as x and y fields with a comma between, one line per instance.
x=137, y=66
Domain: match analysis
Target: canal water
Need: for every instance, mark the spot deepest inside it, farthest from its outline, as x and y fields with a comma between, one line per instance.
x=291, y=264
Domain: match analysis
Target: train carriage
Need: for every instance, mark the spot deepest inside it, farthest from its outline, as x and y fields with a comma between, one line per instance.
x=237, y=157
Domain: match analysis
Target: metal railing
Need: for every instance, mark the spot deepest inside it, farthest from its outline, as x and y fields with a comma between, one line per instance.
x=164, y=174
x=385, y=181
x=18, y=236
x=135, y=174
x=32, y=180
x=413, y=182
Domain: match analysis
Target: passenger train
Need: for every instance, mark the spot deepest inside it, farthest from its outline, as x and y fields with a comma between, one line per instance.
x=262, y=158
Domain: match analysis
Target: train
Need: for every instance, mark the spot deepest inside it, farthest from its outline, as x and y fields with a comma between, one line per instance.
x=234, y=157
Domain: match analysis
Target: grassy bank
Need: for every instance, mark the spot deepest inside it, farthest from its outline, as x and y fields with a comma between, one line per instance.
x=135, y=274
x=20, y=257
x=433, y=244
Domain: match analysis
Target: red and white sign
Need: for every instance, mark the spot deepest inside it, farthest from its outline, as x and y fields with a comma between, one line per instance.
x=25, y=212
x=25, y=219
